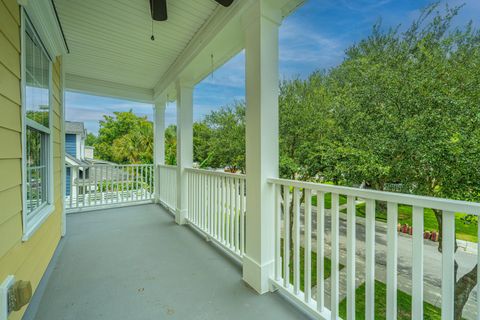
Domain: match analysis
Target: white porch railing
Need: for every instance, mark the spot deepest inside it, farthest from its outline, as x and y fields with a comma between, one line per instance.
x=168, y=186
x=299, y=195
x=106, y=185
x=216, y=206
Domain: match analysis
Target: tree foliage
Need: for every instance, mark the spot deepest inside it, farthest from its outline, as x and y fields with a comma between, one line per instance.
x=171, y=145
x=90, y=139
x=220, y=138
x=125, y=138
x=406, y=105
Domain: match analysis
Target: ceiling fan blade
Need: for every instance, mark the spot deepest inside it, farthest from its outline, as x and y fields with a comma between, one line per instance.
x=158, y=9
x=225, y=3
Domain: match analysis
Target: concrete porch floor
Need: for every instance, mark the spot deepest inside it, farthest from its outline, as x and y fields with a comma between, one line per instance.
x=136, y=263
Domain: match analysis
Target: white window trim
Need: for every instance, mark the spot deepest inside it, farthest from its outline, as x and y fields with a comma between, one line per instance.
x=30, y=226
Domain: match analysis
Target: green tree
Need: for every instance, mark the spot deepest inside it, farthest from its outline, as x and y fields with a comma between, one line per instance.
x=125, y=138
x=90, y=140
x=406, y=106
x=202, y=151
x=225, y=131
x=171, y=145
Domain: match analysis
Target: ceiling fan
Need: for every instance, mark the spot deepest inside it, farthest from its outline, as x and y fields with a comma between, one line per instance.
x=158, y=8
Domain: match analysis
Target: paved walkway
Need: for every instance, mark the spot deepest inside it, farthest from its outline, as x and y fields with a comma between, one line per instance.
x=432, y=261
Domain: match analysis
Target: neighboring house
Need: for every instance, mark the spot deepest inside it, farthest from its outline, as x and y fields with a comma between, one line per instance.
x=75, y=134
x=89, y=151
x=78, y=155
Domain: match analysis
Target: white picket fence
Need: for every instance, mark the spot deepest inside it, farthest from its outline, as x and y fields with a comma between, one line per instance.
x=103, y=185
x=289, y=192
x=216, y=206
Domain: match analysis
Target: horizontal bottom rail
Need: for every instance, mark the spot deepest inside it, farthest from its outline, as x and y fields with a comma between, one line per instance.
x=165, y=205
x=299, y=301
x=107, y=206
x=232, y=253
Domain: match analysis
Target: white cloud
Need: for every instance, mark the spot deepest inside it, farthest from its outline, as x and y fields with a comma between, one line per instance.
x=304, y=48
x=364, y=5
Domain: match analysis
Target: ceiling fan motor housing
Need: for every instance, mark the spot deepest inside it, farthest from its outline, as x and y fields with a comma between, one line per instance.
x=158, y=8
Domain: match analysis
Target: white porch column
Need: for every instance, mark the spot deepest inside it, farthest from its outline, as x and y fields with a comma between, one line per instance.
x=261, y=24
x=184, y=145
x=159, y=142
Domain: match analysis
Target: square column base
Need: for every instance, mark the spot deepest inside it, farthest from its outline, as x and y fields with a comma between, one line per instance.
x=257, y=276
x=180, y=216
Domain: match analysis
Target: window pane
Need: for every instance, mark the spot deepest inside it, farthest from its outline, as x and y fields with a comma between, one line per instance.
x=37, y=100
x=37, y=79
x=37, y=178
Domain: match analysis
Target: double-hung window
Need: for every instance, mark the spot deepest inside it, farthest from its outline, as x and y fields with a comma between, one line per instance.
x=36, y=92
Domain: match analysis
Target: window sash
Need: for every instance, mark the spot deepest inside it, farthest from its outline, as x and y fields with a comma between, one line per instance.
x=37, y=126
x=37, y=174
x=37, y=89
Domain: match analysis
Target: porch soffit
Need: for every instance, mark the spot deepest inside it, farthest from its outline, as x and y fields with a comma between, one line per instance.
x=111, y=53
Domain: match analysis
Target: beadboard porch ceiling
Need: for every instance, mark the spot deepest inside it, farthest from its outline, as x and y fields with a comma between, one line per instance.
x=110, y=40
x=111, y=52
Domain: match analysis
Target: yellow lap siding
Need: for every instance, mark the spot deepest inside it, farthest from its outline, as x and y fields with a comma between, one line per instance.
x=56, y=91
x=11, y=115
x=10, y=233
x=26, y=260
x=13, y=9
x=11, y=173
x=35, y=263
x=8, y=25
x=11, y=142
x=56, y=148
x=11, y=200
x=9, y=56
x=16, y=257
x=9, y=85
x=56, y=123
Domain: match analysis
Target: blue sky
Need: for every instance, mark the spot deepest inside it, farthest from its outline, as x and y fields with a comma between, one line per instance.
x=314, y=37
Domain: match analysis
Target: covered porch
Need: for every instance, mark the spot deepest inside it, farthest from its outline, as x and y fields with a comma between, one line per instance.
x=140, y=261
x=137, y=263
x=116, y=50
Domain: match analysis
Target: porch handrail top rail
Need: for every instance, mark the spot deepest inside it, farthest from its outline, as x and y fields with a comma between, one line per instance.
x=448, y=205
x=107, y=165
x=217, y=173
x=167, y=166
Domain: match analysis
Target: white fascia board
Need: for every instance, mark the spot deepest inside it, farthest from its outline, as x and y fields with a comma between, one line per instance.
x=70, y=162
x=42, y=14
x=108, y=89
x=223, y=36
x=290, y=6
x=211, y=28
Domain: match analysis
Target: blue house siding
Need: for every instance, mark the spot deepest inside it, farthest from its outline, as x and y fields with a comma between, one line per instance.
x=67, y=189
x=71, y=149
x=71, y=144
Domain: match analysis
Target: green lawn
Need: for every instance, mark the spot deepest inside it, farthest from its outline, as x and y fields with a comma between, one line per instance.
x=404, y=304
x=328, y=200
x=326, y=262
x=464, y=231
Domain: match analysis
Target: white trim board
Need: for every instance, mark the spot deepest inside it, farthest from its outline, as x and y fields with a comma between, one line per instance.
x=107, y=89
x=223, y=36
x=43, y=17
